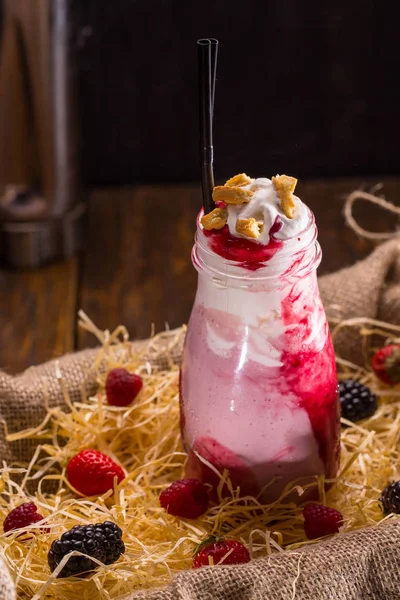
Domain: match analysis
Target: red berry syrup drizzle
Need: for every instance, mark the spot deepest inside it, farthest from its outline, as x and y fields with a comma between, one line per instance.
x=304, y=371
x=248, y=254
x=311, y=376
x=222, y=459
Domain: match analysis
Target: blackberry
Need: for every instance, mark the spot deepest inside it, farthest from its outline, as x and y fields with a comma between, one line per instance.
x=356, y=400
x=102, y=541
x=390, y=498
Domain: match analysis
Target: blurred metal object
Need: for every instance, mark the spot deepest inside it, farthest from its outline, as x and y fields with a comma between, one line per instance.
x=41, y=207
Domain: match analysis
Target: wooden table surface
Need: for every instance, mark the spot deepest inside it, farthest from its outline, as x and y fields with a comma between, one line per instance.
x=136, y=268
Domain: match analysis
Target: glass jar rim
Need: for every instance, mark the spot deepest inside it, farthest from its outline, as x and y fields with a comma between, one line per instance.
x=205, y=259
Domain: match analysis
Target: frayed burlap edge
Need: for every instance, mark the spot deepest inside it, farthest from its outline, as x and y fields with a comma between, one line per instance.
x=360, y=565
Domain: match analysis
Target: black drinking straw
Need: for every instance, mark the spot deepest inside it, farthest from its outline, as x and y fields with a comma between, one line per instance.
x=207, y=64
x=214, y=56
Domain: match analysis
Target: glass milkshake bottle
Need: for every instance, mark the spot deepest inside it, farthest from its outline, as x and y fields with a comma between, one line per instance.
x=258, y=382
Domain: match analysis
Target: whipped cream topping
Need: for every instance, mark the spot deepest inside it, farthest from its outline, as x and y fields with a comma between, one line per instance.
x=265, y=206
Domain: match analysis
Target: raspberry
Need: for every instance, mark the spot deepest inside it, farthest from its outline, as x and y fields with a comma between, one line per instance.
x=22, y=516
x=92, y=473
x=214, y=550
x=390, y=498
x=187, y=498
x=102, y=541
x=356, y=400
x=320, y=520
x=122, y=387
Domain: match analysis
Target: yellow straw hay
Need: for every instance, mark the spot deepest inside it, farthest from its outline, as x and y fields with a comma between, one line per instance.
x=144, y=439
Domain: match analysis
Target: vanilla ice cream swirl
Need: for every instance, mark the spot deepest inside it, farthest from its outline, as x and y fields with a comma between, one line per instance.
x=265, y=207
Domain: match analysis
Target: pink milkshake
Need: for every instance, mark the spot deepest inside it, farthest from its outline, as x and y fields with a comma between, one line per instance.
x=258, y=382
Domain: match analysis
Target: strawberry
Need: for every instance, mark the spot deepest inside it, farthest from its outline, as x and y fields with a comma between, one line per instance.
x=320, y=520
x=386, y=364
x=92, y=473
x=187, y=498
x=22, y=516
x=122, y=387
x=216, y=550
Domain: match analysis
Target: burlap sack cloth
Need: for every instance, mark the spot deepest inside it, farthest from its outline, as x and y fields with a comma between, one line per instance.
x=360, y=565
x=7, y=588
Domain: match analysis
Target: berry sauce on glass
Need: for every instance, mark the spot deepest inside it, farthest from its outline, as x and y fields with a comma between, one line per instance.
x=247, y=253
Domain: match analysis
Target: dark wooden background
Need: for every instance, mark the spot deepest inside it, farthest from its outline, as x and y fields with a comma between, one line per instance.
x=305, y=86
